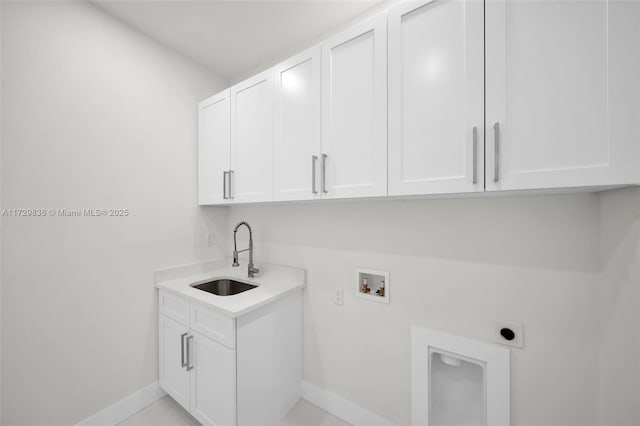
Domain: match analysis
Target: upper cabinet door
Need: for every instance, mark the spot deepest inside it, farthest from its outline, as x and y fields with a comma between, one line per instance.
x=436, y=97
x=214, y=149
x=297, y=127
x=252, y=139
x=354, y=111
x=552, y=97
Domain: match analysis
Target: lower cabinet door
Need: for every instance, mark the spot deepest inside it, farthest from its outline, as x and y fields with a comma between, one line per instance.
x=213, y=381
x=174, y=378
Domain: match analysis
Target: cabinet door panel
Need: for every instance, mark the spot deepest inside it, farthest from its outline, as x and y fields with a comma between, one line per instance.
x=213, y=382
x=214, y=148
x=174, y=378
x=297, y=126
x=548, y=90
x=354, y=86
x=252, y=139
x=436, y=97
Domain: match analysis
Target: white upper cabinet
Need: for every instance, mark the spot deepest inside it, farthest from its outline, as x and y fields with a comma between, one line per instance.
x=214, y=149
x=354, y=111
x=554, y=98
x=436, y=97
x=252, y=139
x=297, y=127
x=482, y=96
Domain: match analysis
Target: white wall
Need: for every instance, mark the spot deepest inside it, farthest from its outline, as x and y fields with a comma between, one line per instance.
x=94, y=116
x=381, y=6
x=619, y=308
x=0, y=209
x=456, y=265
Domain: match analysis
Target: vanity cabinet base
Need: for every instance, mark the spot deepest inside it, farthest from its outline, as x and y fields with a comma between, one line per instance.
x=257, y=381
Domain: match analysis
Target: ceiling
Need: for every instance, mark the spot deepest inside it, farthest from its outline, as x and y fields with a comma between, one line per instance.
x=235, y=37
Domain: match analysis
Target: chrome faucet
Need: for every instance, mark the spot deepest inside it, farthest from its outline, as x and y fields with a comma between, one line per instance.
x=252, y=270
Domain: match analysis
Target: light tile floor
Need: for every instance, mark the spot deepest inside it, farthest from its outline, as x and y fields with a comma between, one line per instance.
x=167, y=412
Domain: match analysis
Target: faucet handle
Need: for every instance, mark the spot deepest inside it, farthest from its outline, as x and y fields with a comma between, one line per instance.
x=253, y=271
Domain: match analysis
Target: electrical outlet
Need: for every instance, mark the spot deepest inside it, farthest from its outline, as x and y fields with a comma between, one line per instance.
x=208, y=239
x=339, y=297
x=509, y=333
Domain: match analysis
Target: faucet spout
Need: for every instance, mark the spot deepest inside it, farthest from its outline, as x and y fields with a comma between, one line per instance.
x=252, y=270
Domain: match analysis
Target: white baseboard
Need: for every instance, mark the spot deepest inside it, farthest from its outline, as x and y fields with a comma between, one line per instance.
x=127, y=407
x=327, y=400
x=341, y=407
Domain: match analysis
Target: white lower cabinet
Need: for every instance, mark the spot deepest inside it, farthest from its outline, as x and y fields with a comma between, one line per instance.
x=231, y=371
x=213, y=382
x=174, y=378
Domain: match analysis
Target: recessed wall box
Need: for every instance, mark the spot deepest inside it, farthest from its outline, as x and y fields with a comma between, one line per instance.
x=372, y=285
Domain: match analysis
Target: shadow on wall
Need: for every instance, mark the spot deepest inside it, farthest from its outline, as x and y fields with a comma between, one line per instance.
x=619, y=308
x=554, y=232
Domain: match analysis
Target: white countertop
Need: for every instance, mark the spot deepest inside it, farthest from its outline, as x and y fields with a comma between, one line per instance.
x=274, y=281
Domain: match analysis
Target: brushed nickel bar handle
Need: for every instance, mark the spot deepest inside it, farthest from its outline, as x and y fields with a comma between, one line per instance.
x=324, y=173
x=189, y=366
x=496, y=152
x=224, y=185
x=231, y=187
x=475, y=155
x=314, y=158
x=183, y=362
